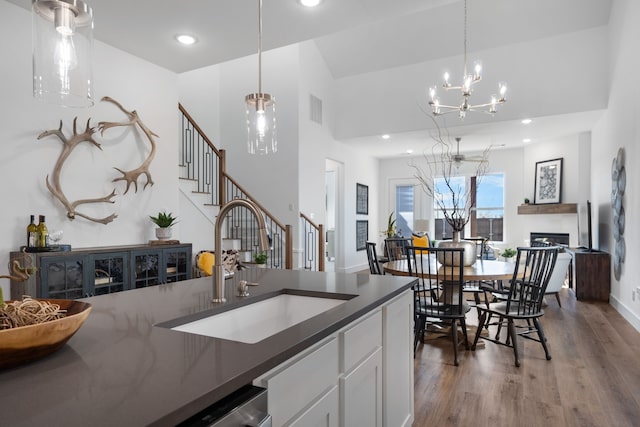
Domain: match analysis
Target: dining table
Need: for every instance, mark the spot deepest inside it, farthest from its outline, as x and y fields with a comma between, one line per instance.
x=481, y=270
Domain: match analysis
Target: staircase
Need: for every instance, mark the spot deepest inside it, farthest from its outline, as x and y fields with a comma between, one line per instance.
x=202, y=168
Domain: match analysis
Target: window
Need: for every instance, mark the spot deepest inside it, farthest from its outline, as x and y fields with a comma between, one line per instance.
x=487, y=217
x=404, y=209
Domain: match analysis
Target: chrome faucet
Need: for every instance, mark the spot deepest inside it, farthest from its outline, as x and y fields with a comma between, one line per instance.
x=218, y=268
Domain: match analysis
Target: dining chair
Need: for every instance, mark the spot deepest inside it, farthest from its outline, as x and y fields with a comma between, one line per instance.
x=558, y=276
x=438, y=293
x=372, y=257
x=395, y=248
x=533, y=268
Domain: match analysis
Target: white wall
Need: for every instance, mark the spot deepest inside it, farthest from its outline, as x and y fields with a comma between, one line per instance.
x=25, y=161
x=317, y=143
x=619, y=128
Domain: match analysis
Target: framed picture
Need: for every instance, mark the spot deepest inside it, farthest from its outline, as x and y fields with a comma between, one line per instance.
x=362, y=199
x=362, y=234
x=548, y=184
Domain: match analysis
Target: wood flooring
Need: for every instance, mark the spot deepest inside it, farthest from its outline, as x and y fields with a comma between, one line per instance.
x=593, y=378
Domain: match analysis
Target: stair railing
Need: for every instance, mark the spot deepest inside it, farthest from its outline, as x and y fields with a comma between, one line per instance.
x=313, y=248
x=205, y=165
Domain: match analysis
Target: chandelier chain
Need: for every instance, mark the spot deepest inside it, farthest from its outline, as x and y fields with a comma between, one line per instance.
x=260, y=46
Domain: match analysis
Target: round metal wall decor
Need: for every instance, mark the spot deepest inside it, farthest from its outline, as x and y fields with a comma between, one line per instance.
x=618, y=187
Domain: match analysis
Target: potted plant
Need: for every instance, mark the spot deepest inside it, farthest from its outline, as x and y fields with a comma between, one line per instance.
x=260, y=259
x=391, y=230
x=526, y=201
x=508, y=253
x=164, y=221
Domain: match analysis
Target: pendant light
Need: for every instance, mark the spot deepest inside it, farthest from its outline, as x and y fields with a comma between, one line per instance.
x=261, y=118
x=62, y=49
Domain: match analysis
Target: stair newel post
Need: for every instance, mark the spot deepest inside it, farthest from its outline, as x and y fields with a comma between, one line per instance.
x=289, y=247
x=222, y=187
x=321, y=247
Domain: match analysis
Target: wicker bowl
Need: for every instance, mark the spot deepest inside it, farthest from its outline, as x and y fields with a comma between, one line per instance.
x=28, y=343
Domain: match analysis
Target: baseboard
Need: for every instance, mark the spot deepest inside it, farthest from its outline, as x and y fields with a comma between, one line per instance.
x=629, y=315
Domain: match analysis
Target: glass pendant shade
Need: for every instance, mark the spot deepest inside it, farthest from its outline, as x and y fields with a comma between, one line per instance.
x=261, y=124
x=62, y=52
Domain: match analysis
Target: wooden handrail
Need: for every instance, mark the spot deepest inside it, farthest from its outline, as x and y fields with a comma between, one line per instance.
x=196, y=127
x=262, y=208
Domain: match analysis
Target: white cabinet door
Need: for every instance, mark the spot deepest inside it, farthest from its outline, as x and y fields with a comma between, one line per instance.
x=397, y=359
x=298, y=382
x=361, y=393
x=323, y=413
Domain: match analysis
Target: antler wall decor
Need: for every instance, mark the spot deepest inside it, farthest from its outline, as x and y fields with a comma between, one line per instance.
x=56, y=188
x=131, y=177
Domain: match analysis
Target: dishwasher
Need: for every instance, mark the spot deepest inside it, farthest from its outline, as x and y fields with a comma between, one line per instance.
x=246, y=407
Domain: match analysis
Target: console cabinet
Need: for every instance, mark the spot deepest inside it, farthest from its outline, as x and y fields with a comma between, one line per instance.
x=591, y=274
x=87, y=272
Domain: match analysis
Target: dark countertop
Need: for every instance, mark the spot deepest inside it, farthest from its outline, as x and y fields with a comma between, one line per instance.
x=122, y=369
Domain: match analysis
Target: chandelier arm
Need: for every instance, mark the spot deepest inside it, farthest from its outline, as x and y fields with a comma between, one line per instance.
x=457, y=107
x=471, y=107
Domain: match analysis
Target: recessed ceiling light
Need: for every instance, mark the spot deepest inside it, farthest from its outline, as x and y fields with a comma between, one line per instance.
x=310, y=3
x=526, y=121
x=409, y=151
x=185, y=39
x=526, y=140
x=386, y=136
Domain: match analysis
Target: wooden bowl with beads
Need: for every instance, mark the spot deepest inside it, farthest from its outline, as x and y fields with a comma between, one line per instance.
x=24, y=344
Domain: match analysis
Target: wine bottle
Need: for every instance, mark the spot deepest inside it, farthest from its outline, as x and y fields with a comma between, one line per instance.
x=43, y=233
x=32, y=233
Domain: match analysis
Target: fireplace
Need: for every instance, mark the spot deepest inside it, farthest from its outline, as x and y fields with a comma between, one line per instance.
x=561, y=239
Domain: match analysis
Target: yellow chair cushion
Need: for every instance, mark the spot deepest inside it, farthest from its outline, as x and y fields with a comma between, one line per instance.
x=422, y=242
x=206, y=260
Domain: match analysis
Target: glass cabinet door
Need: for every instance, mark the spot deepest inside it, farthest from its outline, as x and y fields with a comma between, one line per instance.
x=111, y=272
x=63, y=277
x=177, y=263
x=145, y=267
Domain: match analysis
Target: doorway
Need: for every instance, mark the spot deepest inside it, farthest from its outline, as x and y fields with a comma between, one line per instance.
x=333, y=176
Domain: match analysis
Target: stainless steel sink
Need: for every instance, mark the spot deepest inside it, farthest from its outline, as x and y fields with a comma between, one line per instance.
x=254, y=322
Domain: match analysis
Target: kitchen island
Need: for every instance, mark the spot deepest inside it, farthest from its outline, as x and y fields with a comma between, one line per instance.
x=122, y=368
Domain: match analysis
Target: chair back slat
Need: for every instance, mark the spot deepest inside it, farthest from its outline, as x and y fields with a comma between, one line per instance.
x=438, y=292
x=372, y=257
x=534, y=266
x=396, y=247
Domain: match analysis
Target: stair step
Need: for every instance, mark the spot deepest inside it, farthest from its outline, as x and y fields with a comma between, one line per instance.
x=188, y=179
x=182, y=165
x=210, y=204
x=201, y=192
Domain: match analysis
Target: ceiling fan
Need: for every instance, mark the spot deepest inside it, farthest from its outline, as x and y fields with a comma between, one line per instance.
x=459, y=158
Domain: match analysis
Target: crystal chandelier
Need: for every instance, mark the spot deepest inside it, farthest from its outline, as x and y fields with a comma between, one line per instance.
x=466, y=88
x=261, y=118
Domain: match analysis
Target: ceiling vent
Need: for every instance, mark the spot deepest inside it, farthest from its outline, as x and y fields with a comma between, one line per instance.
x=315, y=109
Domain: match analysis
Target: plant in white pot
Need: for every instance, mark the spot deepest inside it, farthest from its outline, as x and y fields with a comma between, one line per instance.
x=508, y=254
x=164, y=221
x=260, y=259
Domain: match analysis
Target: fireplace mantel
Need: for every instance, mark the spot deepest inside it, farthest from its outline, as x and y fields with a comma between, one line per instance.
x=554, y=208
